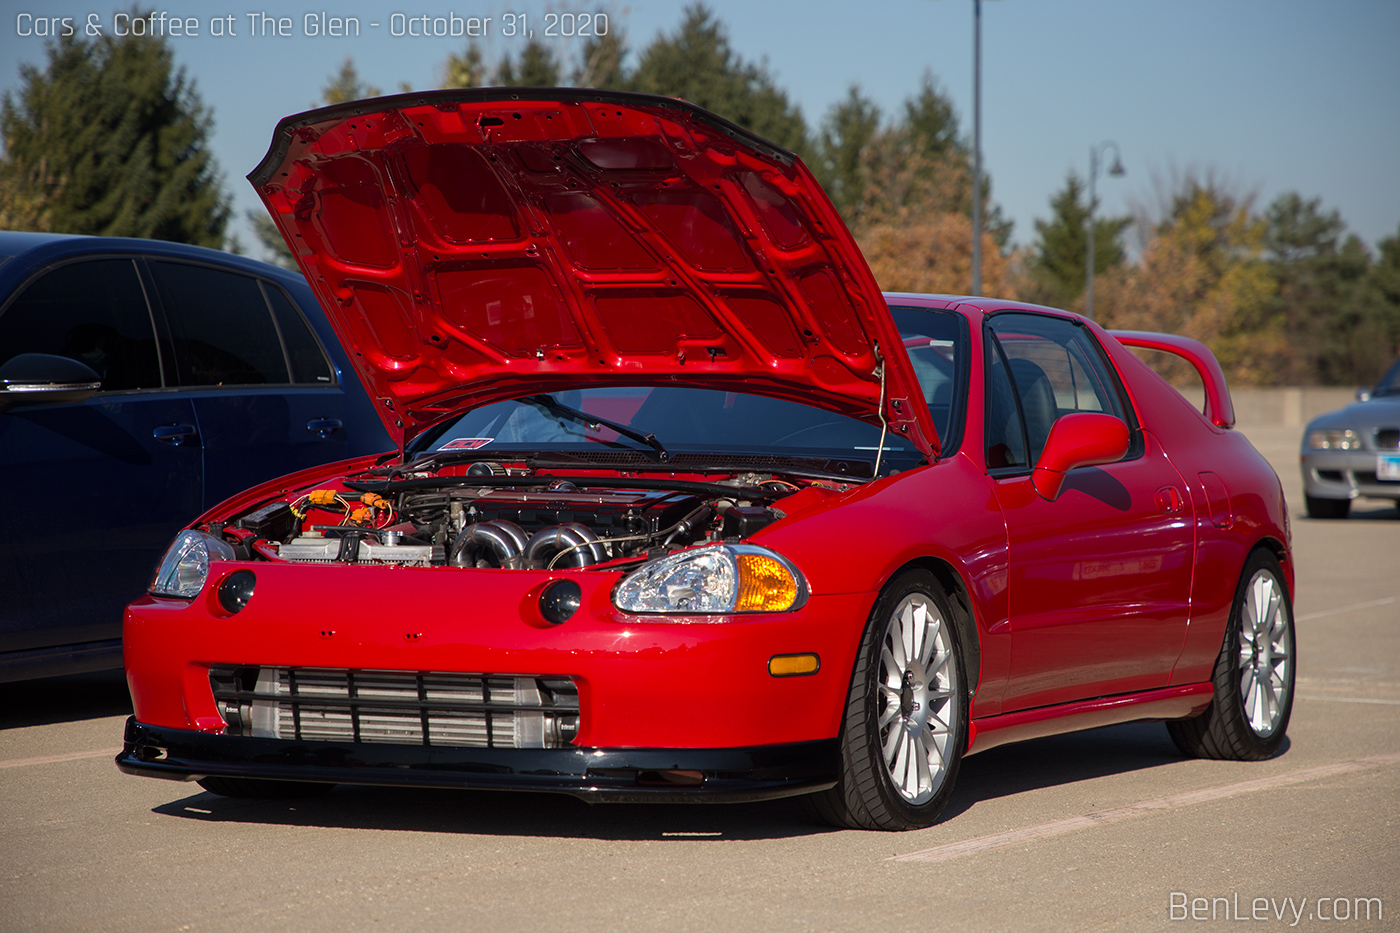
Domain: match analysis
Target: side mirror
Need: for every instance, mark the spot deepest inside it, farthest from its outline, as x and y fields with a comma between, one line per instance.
x=44, y=379
x=1077, y=440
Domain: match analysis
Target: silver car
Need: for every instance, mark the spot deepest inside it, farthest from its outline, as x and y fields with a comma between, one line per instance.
x=1354, y=451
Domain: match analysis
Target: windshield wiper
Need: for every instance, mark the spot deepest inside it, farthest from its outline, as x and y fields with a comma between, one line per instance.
x=587, y=420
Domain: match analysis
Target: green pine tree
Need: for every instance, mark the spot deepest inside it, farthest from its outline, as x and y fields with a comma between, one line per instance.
x=539, y=67
x=600, y=63
x=109, y=138
x=929, y=132
x=1338, y=329
x=696, y=63
x=1058, y=254
x=465, y=70
x=345, y=85
x=849, y=127
x=1381, y=291
x=931, y=120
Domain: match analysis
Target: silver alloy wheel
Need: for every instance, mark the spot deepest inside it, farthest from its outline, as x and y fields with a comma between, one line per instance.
x=918, y=693
x=1266, y=654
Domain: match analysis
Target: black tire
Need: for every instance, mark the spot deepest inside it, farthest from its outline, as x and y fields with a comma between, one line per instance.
x=1232, y=728
x=259, y=789
x=1327, y=508
x=929, y=713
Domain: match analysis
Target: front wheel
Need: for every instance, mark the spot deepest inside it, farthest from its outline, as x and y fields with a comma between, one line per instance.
x=1254, y=674
x=905, y=727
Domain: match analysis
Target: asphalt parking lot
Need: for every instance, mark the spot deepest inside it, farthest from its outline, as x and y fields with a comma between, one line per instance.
x=1110, y=829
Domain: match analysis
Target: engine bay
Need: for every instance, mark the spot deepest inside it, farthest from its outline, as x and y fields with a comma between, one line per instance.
x=508, y=517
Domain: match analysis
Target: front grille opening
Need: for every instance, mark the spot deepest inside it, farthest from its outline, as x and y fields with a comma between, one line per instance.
x=1388, y=438
x=432, y=708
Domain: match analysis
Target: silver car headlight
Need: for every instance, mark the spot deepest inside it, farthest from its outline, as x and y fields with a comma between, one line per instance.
x=717, y=579
x=185, y=566
x=1334, y=440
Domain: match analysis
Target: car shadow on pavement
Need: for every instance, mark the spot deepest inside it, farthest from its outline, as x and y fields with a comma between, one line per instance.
x=1063, y=759
x=64, y=699
x=1365, y=510
x=494, y=813
x=1000, y=772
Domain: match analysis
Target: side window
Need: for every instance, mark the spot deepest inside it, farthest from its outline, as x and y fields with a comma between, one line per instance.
x=309, y=363
x=936, y=342
x=1005, y=431
x=1057, y=369
x=93, y=311
x=223, y=330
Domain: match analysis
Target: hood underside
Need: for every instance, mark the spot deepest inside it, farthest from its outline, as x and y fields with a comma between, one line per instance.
x=475, y=246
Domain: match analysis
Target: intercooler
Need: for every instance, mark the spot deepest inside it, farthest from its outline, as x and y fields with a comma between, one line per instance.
x=397, y=707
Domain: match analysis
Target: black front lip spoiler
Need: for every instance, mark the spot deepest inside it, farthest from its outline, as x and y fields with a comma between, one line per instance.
x=596, y=775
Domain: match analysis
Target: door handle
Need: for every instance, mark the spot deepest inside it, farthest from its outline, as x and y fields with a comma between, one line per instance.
x=176, y=435
x=1169, y=499
x=324, y=427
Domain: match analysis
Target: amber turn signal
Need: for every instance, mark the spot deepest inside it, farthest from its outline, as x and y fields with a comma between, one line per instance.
x=765, y=585
x=793, y=665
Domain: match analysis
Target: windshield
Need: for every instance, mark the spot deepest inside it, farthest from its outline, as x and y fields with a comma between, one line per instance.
x=1390, y=382
x=684, y=422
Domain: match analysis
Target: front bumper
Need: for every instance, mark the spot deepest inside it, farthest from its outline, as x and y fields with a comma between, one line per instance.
x=597, y=775
x=642, y=683
x=1347, y=474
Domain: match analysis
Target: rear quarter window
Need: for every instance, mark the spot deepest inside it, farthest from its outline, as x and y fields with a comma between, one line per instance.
x=222, y=326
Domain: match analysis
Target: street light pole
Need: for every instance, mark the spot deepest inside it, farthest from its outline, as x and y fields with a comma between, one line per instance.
x=1116, y=171
x=976, y=147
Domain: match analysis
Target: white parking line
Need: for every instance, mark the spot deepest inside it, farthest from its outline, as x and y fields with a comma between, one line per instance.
x=1340, y=609
x=1103, y=817
x=53, y=759
x=1374, y=701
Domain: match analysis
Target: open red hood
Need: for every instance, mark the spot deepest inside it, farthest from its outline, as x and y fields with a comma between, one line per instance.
x=474, y=246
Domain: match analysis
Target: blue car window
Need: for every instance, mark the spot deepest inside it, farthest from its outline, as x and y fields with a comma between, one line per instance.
x=309, y=363
x=93, y=311
x=223, y=329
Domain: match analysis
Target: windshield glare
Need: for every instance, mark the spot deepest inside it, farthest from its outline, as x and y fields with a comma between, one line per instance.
x=708, y=421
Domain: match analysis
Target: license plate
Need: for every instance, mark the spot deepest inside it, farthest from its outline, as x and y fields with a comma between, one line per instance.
x=1388, y=467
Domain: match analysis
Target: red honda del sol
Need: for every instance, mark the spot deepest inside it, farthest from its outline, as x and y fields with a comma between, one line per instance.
x=683, y=507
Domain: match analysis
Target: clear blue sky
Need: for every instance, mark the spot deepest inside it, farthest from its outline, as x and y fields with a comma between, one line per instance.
x=1276, y=95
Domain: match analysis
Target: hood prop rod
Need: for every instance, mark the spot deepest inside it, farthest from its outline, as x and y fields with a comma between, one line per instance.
x=884, y=424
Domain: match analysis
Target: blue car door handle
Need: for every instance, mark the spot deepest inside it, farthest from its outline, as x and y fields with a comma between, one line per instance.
x=176, y=435
x=323, y=427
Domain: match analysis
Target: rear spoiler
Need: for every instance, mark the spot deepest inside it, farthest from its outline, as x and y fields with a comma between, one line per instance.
x=1219, y=409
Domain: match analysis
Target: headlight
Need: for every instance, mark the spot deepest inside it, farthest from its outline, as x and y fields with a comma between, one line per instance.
x=1334, y=440
x=185, y=566
x=714, y=580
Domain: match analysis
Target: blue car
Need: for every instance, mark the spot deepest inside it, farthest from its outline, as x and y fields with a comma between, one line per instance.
x=142, y=382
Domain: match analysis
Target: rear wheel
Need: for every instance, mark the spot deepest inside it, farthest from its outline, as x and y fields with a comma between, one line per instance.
x=1254, y=673
x=905, y=727
x=1327, y=508
x=262, y=790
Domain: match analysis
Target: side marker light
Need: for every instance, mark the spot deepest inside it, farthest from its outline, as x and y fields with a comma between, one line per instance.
x=793, y=665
